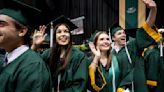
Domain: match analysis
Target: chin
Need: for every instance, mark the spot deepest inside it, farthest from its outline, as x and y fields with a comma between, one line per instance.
x=63, y=44
x=105, y=49
x=123, y=44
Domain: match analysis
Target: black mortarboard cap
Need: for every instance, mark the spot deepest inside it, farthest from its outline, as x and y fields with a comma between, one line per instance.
x=21, y=12
x=59, y=20
x=63, y=19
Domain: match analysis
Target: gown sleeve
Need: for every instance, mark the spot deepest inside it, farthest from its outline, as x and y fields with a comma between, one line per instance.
x=46, y=55
x=152, y=58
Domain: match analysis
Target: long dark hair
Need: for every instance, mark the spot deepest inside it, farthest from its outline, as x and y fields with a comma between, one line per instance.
x=56, y=51
x=109, y=54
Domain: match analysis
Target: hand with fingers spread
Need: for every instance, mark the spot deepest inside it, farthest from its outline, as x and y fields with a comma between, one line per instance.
x=38, y=37
x=97, y=54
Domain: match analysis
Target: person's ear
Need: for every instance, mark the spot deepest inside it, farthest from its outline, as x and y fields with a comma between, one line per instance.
x=23, y=31
x=113, y=38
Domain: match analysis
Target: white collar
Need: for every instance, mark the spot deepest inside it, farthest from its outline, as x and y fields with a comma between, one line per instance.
x=117, y=49
x=16, y=53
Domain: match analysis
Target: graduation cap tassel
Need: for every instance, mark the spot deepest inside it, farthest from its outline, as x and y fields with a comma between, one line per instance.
x=110, y=38
x=58, y=87
x=51, y=35
x=161, y=49
x=130, y=61
x=161, y=53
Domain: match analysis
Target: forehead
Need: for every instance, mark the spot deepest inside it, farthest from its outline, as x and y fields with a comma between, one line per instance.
x=62, y=26
x=103, y=35
x=120, y=31
x=6, y=18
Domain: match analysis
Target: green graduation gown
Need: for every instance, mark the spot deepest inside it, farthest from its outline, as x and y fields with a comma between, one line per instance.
x=27, y=73
x=154, y=69
x=104, y=78
x=74, y=77
x=135, y=71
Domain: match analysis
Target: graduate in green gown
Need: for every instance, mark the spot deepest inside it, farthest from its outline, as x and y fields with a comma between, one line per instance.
x=154, y=68
x=129, y=53
x=22, y=70
x=69, y=66
x=104, y=69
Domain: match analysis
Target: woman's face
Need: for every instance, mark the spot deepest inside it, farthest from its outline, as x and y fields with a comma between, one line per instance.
x=62, y=35
x=103, y=42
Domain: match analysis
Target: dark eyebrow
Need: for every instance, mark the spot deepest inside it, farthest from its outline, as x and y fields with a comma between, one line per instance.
x=3, y=21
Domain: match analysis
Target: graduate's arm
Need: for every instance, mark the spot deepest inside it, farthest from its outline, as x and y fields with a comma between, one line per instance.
x=46, y=55
x=92, y=76
x=94, y=69
x=151, y=20
x=94, y=64
x=153, y=12
x=150, y=35
x=97, y=54
x=34, y=78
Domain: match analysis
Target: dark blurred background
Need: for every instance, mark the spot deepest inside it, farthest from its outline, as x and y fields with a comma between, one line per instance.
x=99, y=14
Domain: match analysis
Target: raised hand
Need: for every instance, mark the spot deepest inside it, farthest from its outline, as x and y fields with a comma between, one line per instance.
x=38, y=37
x=95, y=50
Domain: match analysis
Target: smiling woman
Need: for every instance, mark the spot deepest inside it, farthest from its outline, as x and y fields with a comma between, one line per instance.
x=69, y=66
x=103, y=70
